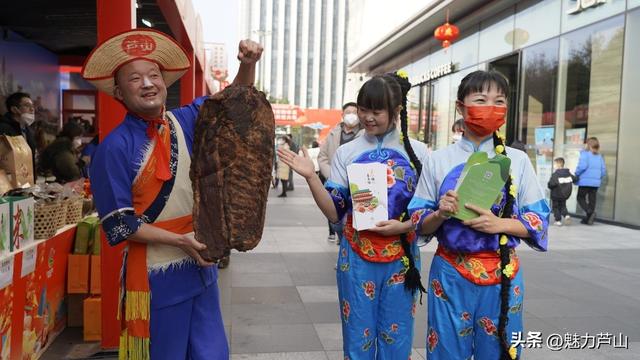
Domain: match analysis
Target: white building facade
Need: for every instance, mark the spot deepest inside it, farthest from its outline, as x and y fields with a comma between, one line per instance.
x=305, y=43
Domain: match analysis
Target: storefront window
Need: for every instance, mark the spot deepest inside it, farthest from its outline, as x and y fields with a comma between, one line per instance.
x=464, y=53
x=632, y=3
x=538, y=105
x=577, y=13
x=589, y=99
x=440, y=124
x=529, y=17
x=628, y=177
x=413, y=112
x=496, y=36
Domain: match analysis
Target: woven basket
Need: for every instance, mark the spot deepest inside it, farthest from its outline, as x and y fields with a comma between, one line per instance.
x=47, y=217
x=61, y=217
x=74, y=210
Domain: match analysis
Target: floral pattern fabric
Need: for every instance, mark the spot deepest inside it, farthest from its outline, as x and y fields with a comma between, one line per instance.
x=462, y=326
x=377, y=312
x=481, y=268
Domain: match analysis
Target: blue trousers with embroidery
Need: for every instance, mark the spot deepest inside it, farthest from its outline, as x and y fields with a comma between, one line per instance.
x=462, y=320
x=186, y=325
x=377, y=312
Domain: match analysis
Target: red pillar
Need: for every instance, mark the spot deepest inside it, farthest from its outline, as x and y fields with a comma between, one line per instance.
x=113, y=16
x=188, y=80
x=200, y=85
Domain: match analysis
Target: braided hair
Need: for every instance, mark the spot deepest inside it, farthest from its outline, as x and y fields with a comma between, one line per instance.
x=480, y=81
x=389, y=91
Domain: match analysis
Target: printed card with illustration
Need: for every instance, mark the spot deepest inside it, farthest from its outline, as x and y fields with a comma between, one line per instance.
x=481, y=183
x=368, y=186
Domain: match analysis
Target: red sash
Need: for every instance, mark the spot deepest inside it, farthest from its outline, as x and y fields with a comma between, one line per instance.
x=481, y=268
x=134, y=339
x=374, y=247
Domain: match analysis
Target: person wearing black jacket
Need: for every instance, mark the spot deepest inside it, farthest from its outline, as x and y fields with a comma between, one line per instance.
x=18, y=119
x=561, y=185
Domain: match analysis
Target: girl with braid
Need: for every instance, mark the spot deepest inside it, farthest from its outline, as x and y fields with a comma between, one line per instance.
x=378, y=269
x=476, y=288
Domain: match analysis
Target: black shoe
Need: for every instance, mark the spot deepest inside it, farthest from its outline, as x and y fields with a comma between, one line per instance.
x=591, y=218
x=583, y=221
x=282, y=195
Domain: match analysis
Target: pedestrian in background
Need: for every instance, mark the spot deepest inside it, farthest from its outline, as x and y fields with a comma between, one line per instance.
x=561, y=185
x=295, y=148
x=590, y=172
x=18, y=119
x=458, y=130
x=313, y=154
x=62, y=157
x=283, y=169
x=349, y=129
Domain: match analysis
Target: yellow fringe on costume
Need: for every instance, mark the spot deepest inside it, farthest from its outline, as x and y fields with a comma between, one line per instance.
x=137, y=304
x=133, y=348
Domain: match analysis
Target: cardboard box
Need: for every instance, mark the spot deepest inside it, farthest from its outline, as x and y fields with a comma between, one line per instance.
x=75, y=312
x=95, y=284
x=5, y=227
x=78, y=274
x=16, y=160
x=92, y=319
x=22, y=222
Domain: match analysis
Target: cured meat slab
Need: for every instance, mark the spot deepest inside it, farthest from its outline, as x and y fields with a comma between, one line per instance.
x=230, y=173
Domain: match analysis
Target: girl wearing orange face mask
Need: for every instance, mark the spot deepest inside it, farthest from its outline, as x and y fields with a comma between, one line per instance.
x=475, y=302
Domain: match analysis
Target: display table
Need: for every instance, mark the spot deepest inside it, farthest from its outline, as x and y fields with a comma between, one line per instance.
x=32, y=307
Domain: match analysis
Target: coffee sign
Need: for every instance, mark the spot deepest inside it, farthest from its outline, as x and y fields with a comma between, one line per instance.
x=436, y=72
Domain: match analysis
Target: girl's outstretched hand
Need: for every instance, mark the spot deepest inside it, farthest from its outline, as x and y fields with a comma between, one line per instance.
x=300, y=164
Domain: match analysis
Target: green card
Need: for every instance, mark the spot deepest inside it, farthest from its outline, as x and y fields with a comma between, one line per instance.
x=481, y=183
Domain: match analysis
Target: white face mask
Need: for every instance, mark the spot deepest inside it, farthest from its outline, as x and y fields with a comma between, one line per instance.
x=76, y=143
x=457, y=137
x=27, y=118
x=280, y=142
x=350, y=120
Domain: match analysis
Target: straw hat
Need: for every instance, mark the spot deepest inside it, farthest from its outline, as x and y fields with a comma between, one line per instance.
x=147, y=44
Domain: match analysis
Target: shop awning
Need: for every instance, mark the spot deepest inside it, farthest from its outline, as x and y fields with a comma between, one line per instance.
x=413, y=39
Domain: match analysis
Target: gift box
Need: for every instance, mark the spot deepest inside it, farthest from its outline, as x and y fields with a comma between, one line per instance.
x=95, y=245
x=85, y=235
x=92, y=319
x=75, y=312
x=78, y=274
x=95, y=275
x=22, y=222
x=5, y=226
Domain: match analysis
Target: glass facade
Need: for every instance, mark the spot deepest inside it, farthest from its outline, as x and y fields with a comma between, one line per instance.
x=496, y=38
x=575, y=77
x=627, y=201
x=529, y=16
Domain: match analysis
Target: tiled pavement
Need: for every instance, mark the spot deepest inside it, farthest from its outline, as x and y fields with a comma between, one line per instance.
x=279, y=301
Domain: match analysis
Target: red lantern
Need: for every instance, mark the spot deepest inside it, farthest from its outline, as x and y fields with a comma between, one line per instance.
x=446, y=33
